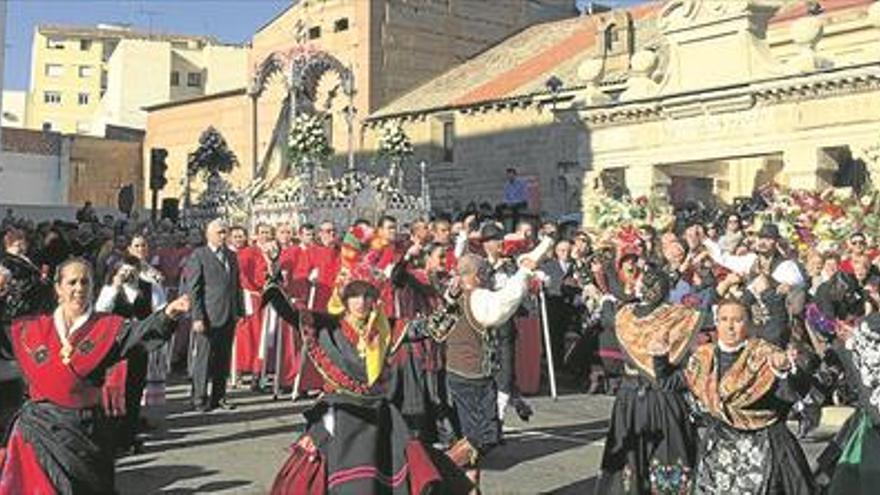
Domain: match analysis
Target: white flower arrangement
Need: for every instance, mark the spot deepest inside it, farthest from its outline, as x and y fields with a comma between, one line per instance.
x=394, y=143
x=307, y=142
x=285, y=191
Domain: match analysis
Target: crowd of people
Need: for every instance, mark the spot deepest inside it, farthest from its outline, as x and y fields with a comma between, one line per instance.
x=413, y=333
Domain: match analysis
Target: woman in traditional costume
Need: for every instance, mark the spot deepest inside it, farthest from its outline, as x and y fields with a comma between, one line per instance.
x=61, y=441
x=651, y=443
x=850, y=464
x=356, y=440
x=420, y=285
x=743, y=385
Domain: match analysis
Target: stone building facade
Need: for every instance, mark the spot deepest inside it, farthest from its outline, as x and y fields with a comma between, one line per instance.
x=699, y=99
x=98, y=168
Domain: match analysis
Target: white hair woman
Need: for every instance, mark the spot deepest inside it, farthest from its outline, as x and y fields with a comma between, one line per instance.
x=60, y=442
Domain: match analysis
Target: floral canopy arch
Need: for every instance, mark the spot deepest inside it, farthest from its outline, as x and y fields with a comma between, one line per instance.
x=303, y=68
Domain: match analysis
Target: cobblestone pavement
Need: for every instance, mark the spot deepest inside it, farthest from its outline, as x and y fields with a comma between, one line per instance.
x=239, y=451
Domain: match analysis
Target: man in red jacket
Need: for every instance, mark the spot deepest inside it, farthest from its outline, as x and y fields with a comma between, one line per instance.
x=288, y=259
x=253, y=268
x=317, y=268
x=383, y=254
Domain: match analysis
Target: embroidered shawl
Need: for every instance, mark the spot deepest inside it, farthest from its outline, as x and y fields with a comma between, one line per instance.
x=748, y=380
x=635, y=333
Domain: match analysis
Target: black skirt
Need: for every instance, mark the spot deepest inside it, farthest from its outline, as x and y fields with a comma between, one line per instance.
x=766, y=461
x=651, y=445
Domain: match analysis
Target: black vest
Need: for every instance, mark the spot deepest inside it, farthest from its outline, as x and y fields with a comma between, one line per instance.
x=140, y=308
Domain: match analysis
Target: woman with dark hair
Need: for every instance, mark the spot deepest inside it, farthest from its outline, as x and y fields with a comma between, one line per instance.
x=651, y=443
x=60, y=442
x=356, y=440
x=128, y=294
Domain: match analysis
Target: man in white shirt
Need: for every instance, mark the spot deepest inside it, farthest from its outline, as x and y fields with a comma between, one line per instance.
x=469, y=352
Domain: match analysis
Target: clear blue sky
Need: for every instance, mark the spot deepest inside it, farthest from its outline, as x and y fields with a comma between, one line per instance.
x=231, y=21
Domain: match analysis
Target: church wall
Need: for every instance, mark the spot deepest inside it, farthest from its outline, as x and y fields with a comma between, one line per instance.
x=485, y=145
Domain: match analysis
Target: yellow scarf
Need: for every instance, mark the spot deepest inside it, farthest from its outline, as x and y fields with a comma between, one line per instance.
x=373, y=351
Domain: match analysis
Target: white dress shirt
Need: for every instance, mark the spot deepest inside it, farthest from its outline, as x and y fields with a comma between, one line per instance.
x=786, y=272
x=492, y=308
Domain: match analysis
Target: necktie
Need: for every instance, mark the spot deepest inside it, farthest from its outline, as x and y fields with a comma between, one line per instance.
x=221, y=255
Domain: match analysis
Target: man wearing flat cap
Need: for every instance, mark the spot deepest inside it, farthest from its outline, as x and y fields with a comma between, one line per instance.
x=767, y=253
x=502, y=268
x=768, y=279
x=470, y=361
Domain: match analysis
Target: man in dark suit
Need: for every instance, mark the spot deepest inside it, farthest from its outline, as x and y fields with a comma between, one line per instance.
x=212, y=282
x=559, y=307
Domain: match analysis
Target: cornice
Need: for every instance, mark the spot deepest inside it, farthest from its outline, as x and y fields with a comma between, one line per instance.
x=791, y=89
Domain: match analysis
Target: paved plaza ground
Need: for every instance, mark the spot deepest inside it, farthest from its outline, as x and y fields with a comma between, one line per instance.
x=239, y=452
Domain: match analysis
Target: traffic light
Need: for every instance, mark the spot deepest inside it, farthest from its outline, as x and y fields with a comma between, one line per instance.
x=158, y=167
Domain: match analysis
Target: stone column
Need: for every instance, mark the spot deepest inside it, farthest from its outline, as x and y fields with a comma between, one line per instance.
x=255, y=150
x=803, y=165
x=646, y=180
x=869, y=152
x=742, y=173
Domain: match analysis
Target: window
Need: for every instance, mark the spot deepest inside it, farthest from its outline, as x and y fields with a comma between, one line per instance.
x=55, y=43
x=47, y=126
x=52, y=97
x=340, y=25
x=612, y=36
x=83, y=99
x=175, y=78
x=86, y=71
x=194, y=79
x=314, y=32
x=448, y=141
x=83, y=126
x=85, y=45
x=54, y=70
